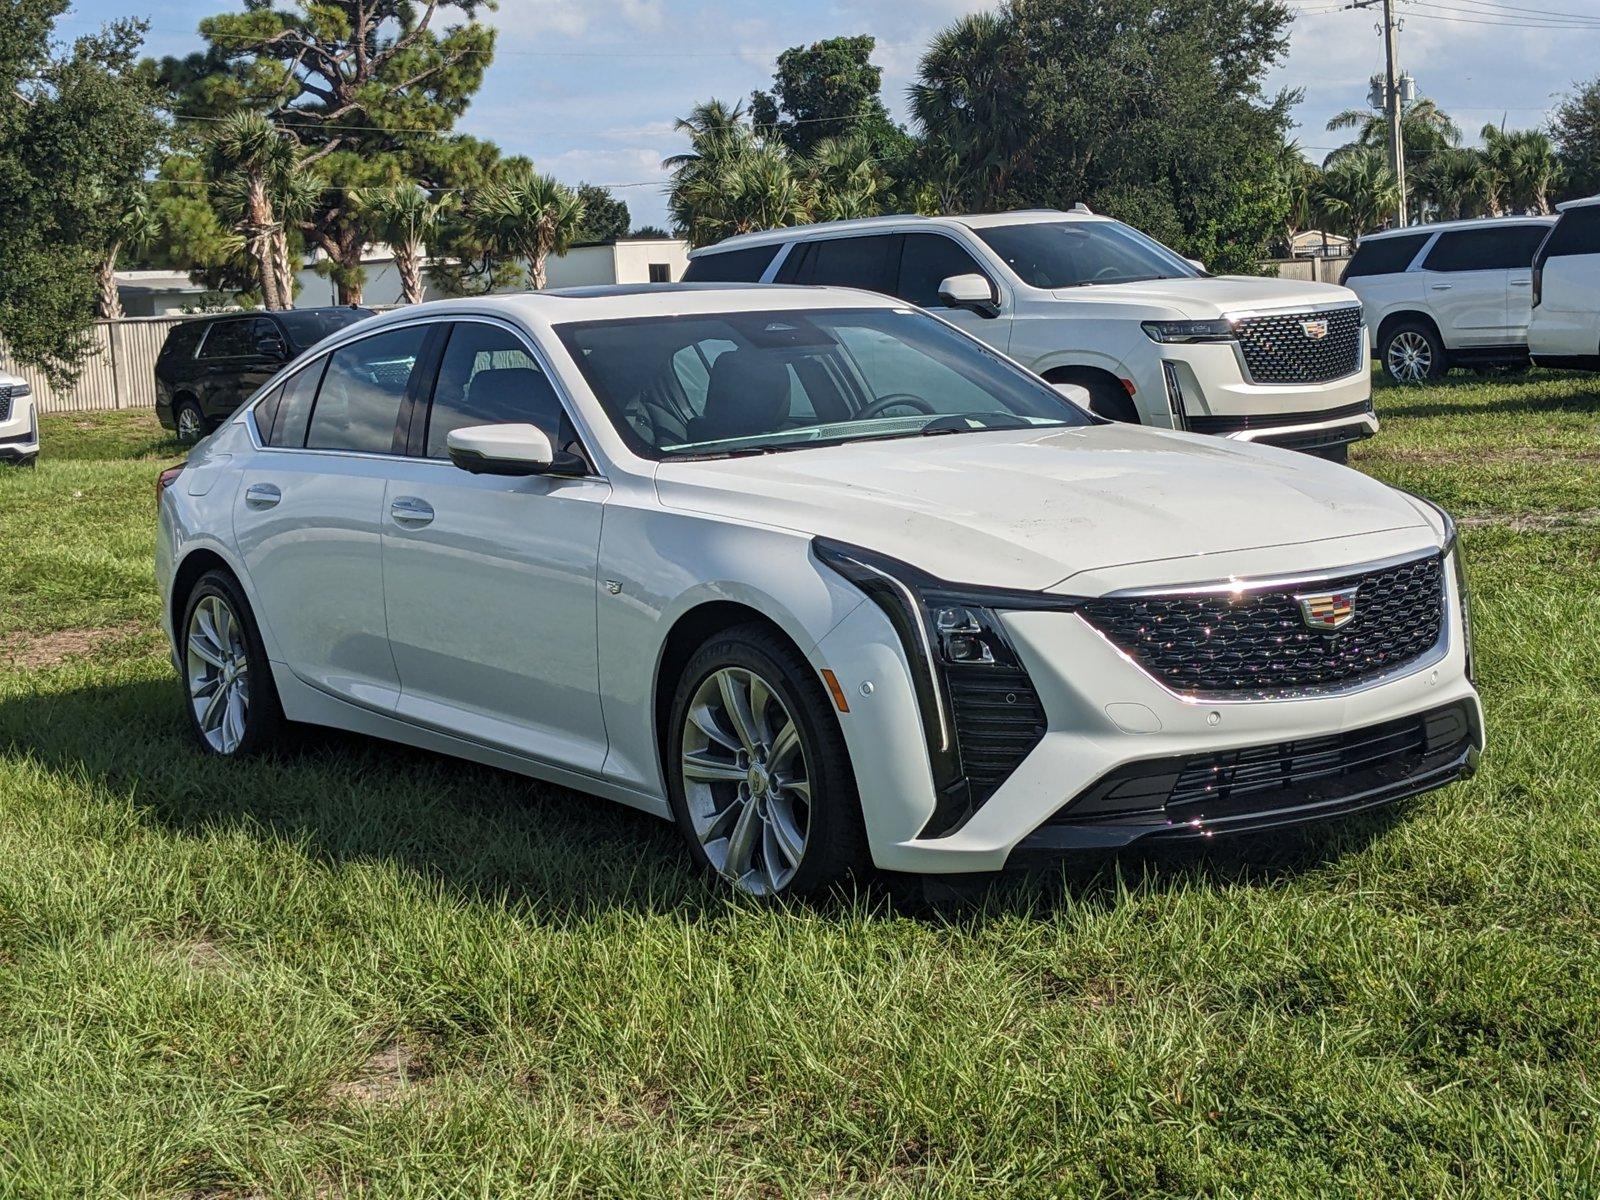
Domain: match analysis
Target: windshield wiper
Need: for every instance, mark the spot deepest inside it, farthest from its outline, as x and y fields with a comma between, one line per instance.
x=740, y=452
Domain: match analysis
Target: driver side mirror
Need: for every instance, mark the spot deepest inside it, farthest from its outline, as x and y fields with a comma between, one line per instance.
x=972, y=292
x=1074, y=392
x=272, y=347
x=510, y=450
x=1197, y=265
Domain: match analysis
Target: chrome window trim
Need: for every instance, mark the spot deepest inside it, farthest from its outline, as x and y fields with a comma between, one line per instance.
x=1431, y=657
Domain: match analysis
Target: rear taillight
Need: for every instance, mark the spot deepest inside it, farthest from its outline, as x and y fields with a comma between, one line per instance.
x=1538, y=284
x=166, y=479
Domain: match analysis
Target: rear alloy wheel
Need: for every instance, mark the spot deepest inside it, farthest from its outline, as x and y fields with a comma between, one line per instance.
x=1413, y=354
x=233, y=704
x=759, y=776
x=190, y=422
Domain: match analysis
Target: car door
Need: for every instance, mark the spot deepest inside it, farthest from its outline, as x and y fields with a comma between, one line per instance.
x=1522, y=243
x=1567, y=323
x=232, y=363
x=927, y=260
x=490, y=581
x=308, y=514
x=1467, y=275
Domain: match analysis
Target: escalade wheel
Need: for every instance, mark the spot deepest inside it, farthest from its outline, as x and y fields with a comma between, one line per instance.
x=233, y=704
x=190, y=422
x=1413, y=353
x=758, y=773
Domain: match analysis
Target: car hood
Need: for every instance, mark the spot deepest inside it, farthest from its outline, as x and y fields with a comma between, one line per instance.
x=1031, y=509
x=1217, y=295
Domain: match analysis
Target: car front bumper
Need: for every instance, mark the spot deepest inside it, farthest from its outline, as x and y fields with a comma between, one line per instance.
x=1108, y=720
x=19, y=432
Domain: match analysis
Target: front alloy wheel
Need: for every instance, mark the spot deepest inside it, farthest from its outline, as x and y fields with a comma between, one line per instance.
x=745, y=780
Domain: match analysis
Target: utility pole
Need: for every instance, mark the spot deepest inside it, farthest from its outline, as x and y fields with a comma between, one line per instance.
x=1393, y=104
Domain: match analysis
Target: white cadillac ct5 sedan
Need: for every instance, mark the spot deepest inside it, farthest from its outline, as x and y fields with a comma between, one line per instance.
x=813, y=574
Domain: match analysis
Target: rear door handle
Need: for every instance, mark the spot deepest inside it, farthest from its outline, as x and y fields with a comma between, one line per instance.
x=1522, y=283
x=262, y=495
x=411, y=511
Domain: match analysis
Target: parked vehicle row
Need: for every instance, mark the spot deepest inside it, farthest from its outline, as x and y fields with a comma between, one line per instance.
x=815, y=574
x=1084, y=299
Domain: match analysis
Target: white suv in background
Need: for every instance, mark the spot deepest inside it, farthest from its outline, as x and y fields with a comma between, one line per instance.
x=19, y=421
x=1455, y=294
x=1086, y=300
x=1565, y=331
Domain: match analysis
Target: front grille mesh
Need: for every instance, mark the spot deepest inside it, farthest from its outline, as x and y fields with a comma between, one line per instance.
x=998, y=720
x=5, y=401
x=1277, y=348
x=1294, y=766
x=1257, y=641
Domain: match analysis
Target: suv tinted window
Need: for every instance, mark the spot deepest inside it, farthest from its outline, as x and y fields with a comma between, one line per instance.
x=358, y=404
x=731, y=266
x=1485, y=249
x=859, y=262
x=281, y=421
x=1578, y=232
x=182, y=339
x=1385, y=256
x=307, y=327
x=487, y=377
x=229, y=339
x=926, y=261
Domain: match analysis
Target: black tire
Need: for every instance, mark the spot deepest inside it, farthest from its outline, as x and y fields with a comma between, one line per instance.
x=262, y=716
x=188, y=422
x=835, y=842
x=1411, y=352
x=1107, y=398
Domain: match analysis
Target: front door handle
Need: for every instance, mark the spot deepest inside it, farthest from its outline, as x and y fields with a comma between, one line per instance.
x=1442, y=287
x=1522, y=283
x=262, y=495
x=411, y=511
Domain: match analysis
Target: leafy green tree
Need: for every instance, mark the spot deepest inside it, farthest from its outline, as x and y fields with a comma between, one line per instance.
x=370, y=88
x=1577, y=135
x=605, y=218
x=847, y=181
x=1526, y=168
x=1299, y=178
x=730, y=180
x=650, y=231
x=138, y=225
x=529, y=217
x=1357, y=192
x=1151, y=110
x=407, y=217
x=1456, y=182
x=1424, y=127
x=829, y=89
x=76, y=127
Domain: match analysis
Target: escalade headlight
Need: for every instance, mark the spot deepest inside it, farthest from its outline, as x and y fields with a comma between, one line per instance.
x=959, y=655
x=20, y=390
x=1189, y=331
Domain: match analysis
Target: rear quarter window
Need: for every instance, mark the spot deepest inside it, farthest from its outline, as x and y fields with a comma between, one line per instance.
x=1578, y=232
x=730, y=266
x=182, y=339
x=1494, y=249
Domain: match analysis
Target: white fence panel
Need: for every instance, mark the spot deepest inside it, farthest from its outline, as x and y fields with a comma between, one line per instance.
x=120, y=373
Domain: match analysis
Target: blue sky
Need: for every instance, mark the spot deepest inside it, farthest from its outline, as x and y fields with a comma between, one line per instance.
x=589, y=88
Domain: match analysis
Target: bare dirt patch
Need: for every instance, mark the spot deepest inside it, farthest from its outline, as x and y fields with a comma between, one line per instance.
x=35, y=651
x=1531, y=522
x=383, y=1078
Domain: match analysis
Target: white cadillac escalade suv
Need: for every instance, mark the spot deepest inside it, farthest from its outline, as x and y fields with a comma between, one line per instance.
x=1084, y=299
x=19, y=421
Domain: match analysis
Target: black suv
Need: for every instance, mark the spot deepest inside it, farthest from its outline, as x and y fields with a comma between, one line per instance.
x=211, y=365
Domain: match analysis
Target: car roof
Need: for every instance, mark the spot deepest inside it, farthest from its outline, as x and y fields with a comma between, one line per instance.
x=620, y=301
x=787, y=233
x=1442, y=226
x=1581, y=202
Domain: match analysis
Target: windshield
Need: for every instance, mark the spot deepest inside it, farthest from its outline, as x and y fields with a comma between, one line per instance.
x=1063, y=254
x=758, y=382
x=307, y=327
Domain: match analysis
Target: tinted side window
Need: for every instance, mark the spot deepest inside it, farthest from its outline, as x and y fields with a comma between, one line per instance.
x=293, y=408
x=182, y=339
x=1578, y=232
x=858, y=262
x=358, y=404
x=1484, y=249
x=926, y=261
x=1385, y=256
x=228, y=339
x=266, y=411
x=731, y=266
x=487, y=377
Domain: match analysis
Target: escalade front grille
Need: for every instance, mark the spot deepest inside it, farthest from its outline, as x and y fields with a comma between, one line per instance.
x=1257, y=641
x=5, y=401
x=1278, y=349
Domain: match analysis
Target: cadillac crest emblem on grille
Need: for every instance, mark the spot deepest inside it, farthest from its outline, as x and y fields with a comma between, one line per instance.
x=1315, y=330
x=1327, y=611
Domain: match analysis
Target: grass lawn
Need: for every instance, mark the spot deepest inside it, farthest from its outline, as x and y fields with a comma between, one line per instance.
x=361, y=970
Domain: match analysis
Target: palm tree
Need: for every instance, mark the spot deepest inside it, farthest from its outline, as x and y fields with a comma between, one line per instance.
x=406, y=217
x=1425, y=128
x=846, y=180
x=716, y=129
x=1457, y=182
x=137, y=226
x=1528, y=167
x=531, y=217
x=1357, y=192
x=296, y=196
x=253, y=156
x=1299, y=178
